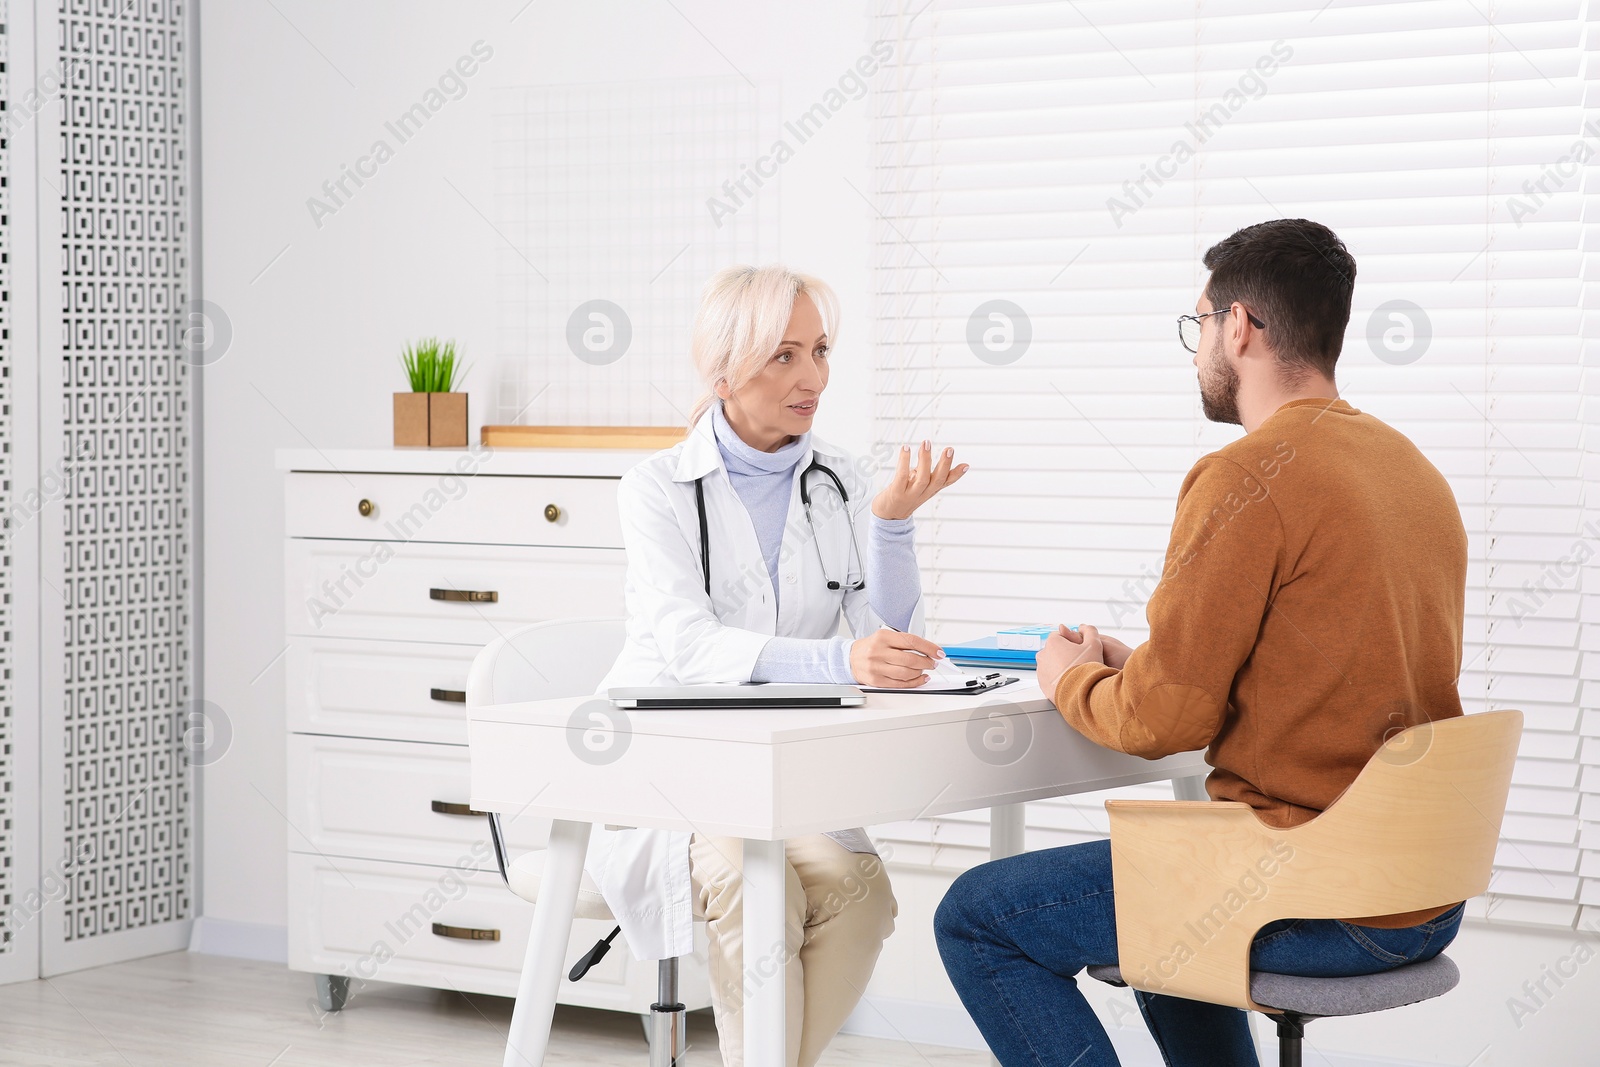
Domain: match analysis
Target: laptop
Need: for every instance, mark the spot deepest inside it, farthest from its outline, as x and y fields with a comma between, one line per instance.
x=758, y=695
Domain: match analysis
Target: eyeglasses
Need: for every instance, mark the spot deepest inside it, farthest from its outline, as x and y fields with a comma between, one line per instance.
x=1189, y=326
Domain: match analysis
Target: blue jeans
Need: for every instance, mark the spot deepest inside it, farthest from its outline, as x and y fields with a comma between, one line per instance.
x=1013, y=934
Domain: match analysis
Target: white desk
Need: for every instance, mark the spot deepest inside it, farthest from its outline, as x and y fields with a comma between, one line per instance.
x=767, y=775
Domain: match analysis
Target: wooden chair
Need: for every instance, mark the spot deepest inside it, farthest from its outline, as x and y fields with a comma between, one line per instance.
x=1195, y=881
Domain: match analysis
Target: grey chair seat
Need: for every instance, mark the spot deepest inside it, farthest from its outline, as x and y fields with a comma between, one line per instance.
x=1324, y=997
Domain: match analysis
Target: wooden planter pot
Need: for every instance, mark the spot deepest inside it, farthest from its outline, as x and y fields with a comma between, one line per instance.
x=430, y=420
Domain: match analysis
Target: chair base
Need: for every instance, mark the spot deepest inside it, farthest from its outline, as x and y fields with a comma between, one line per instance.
x=669, y=1019
x=1291, y=1033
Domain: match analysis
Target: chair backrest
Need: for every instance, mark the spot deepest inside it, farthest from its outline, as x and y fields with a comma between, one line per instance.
x=1417, y=829
x=566, y=657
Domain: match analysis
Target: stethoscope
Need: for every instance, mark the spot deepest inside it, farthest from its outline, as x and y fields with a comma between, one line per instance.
x=805, y=500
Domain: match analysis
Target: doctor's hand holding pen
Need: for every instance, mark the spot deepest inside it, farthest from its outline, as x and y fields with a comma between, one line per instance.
x=890, y=657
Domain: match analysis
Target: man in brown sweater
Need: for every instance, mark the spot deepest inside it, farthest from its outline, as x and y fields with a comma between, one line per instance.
x=1311, y=605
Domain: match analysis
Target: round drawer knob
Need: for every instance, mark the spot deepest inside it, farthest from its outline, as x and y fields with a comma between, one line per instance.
x=551, y=513
x=366, y=507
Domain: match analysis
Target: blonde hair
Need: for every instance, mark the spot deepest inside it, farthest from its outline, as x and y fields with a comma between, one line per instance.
x=743, y=314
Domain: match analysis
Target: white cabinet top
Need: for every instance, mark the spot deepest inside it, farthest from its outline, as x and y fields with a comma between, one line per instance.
x=550, y=462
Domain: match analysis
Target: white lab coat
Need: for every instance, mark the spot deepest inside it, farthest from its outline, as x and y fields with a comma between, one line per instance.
x=676, y=636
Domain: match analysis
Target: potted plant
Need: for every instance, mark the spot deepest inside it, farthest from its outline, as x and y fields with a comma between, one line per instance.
x=432, y=414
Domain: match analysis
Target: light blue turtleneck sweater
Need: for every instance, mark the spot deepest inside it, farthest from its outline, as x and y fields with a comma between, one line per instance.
x=763, y=483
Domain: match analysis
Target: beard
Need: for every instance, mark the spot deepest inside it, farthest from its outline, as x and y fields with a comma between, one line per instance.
x=1219, y=388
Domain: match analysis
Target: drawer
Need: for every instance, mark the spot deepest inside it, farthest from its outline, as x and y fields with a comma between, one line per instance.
x=385, y=590
x=375, y=800
x=475, y=509
x=386, y=689
x=374, y=921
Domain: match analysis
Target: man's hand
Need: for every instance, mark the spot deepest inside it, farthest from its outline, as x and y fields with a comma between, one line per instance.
x=890, y=658
x=1116, y=652
x=1066, y=650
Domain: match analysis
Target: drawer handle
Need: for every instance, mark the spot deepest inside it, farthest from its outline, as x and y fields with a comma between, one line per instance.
x=551, y=513
x=366, y=507
x=465, y=933
x=449, y=696
x=445, y=807
x=466, y=596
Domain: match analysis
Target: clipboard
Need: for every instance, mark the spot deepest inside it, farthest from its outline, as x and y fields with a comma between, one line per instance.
x=984, y=682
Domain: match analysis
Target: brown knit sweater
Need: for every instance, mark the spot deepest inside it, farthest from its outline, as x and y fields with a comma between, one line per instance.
x=1312, y=603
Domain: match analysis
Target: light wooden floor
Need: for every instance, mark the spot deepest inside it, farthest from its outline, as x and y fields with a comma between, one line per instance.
x=183, y=1010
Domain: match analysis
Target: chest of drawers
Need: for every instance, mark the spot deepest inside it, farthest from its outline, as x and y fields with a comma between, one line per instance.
x=399, y=566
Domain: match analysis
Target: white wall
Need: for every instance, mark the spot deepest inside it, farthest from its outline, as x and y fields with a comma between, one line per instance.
x=318, y=315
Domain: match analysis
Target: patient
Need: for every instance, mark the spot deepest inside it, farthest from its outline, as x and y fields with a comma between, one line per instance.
x=1311, y=605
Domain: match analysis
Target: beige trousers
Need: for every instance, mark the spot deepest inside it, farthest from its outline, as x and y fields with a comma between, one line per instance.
x=839, y=909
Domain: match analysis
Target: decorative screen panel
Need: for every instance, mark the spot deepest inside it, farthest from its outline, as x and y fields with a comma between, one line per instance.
x=8, y=796
x=127, y=437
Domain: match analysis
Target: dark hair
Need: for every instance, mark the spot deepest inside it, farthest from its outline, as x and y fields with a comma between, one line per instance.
x=1295, y=275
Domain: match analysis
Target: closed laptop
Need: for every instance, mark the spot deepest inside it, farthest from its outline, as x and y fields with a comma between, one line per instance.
x=781, y=695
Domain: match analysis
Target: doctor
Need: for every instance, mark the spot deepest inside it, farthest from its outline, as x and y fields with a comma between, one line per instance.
x=744, y=551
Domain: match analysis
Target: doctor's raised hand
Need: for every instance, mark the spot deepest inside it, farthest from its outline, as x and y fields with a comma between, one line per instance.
x=909, y=488
x=890, y=658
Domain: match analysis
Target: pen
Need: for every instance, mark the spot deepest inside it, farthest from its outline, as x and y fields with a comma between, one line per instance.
x=897, y=630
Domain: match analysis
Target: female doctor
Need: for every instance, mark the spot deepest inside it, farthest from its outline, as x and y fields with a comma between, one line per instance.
x=743, y=551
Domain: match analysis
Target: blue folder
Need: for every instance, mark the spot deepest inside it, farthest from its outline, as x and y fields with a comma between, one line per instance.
x=986, y=652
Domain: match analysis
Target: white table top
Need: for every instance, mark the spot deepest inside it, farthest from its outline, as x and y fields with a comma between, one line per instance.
x=775, y=773
x=774, y=726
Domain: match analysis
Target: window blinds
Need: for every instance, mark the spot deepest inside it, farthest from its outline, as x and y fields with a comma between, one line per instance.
x=1046, y=177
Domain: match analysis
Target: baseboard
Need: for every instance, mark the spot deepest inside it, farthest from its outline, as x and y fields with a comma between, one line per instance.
x=921, y=1023
x=245, y=941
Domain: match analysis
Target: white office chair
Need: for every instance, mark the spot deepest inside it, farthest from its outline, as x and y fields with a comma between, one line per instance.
x=569, y=657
